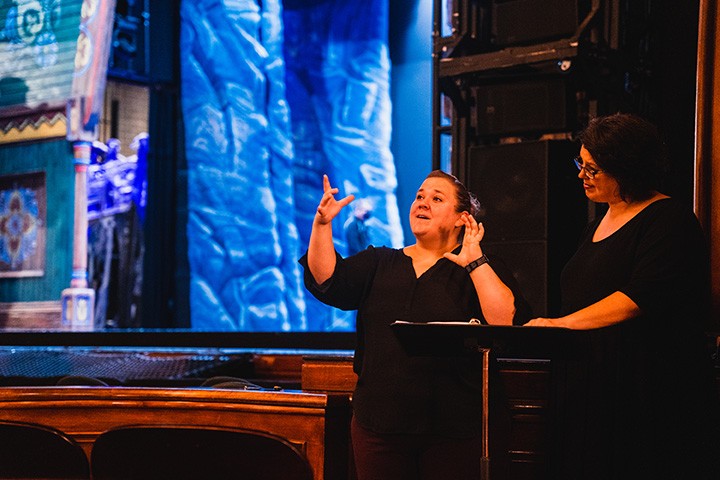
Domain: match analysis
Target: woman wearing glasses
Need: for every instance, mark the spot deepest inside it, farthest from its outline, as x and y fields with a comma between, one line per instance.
x=640, y=281
x=415, y=417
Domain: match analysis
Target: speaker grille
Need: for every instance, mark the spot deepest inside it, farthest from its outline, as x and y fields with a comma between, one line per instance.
x=534, y=209
x=511, y=183
x=528, y=263
x=518, y=22
x=542, y=104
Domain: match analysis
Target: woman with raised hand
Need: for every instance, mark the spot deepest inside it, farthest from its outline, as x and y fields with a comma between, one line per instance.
x=415, y=417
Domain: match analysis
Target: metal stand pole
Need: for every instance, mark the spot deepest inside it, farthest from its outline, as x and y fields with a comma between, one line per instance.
x=485, y=459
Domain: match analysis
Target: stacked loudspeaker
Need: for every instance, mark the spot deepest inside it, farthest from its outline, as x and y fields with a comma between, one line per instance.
x=129, y=56
x=523, y=77
x=534, y=210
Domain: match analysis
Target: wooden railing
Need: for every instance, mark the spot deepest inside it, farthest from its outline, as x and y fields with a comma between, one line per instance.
x=317, y=423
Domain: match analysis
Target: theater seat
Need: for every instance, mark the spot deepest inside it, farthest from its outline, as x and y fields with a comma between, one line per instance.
x=189, y=452
x=35, y=451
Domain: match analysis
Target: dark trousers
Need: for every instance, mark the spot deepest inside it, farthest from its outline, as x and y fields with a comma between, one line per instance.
x=414, y=457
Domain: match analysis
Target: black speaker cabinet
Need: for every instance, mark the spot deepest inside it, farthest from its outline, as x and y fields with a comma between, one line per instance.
x=129, y=48
x=529, y=263
x=518, y=22
x=526, y=106
x=534, y=209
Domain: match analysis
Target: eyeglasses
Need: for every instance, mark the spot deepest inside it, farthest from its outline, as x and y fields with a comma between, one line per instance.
x=589, y=172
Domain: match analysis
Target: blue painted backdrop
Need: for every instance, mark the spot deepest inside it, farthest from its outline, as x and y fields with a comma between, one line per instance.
x=272, y=99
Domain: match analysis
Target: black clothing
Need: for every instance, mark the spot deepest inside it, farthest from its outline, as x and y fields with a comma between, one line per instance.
x=396, y=393
x=647, y=396
x=414, y=457
x=659, y=259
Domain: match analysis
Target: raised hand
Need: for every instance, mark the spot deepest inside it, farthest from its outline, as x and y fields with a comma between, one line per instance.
x=471, y=250
x=321, y=250
x=329, y=207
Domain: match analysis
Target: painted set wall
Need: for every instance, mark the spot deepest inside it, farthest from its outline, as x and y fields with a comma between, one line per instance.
x=310, y=97
x=409, y=42
x=55, y=158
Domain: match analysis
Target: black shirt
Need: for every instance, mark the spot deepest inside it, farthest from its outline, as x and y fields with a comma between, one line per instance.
x=397, y=393
x=646, y=394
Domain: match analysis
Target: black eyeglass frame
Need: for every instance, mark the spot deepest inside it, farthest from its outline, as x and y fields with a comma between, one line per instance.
x=589, y=172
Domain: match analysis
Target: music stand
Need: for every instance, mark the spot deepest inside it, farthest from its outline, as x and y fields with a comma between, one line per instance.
x=464, y=338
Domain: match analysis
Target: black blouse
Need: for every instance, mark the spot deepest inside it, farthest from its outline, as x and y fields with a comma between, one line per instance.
x=646, y=394
x=397, y=393
x=659, y=259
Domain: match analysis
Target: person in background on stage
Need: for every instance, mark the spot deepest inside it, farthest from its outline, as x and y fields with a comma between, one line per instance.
x=415, y=417
x=639, y=281
x=362, y=229
x=356, y=229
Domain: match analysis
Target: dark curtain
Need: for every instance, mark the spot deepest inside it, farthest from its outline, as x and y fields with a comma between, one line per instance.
x=165, y=284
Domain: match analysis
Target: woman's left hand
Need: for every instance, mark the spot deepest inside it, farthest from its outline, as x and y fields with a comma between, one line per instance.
x=546, y=322
x=474, y=233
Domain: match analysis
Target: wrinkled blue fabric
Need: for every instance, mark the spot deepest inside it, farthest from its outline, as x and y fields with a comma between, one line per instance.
x=255, y=170
x=242, y=240
x=338, y=72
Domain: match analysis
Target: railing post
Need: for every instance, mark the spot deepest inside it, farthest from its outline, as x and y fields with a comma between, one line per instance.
x=78, y=301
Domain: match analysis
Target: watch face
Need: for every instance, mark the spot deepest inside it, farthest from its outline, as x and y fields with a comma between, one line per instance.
x=476, y=263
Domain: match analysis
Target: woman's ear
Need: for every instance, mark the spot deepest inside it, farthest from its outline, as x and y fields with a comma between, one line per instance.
x=460, y=222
